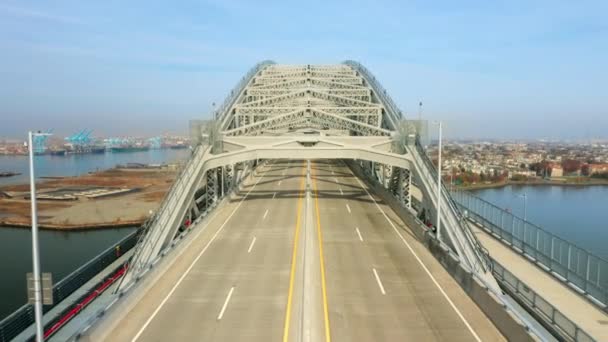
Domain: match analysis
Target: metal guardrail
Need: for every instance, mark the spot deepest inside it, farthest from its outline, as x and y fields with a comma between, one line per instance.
x=447, y=199
x=166, y=205
x=541, y=308
x=22, y=318
x=583, y=270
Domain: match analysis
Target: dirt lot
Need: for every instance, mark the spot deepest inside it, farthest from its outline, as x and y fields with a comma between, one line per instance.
x=120, y=210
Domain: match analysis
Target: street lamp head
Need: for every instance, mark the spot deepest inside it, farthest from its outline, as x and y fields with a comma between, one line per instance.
x=39, y=133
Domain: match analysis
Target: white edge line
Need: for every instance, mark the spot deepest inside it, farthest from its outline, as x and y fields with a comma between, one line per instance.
x=251, y=245
x=445, y=295
x=379, y=282
x=265, y=213
x=348, y=207
x=219, y=317
x=179, y=281
x=359, y=233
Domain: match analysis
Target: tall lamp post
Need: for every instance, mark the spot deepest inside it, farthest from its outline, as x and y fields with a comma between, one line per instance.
x=439, y=184
x=420, y=120
x=525, y=197
x=35, y=249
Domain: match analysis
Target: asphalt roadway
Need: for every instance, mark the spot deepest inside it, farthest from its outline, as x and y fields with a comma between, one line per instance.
x=294, y=260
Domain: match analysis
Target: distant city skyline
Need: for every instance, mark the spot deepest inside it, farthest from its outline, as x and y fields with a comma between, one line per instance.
x=503, y=70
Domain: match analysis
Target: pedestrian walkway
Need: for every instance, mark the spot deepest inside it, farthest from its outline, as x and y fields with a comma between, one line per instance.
x=580, y=311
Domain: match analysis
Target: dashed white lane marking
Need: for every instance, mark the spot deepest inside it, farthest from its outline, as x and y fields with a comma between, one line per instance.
x=265, y=213
x=280, y=183
x=179, y=281
x=251, y=245
x=379, y=281
x=341, y=192
x=348, y=208
x=219, y=317
x=274, y=194
x=336, y=179
x=332, y=172
x=445, y=295
x=359, y=233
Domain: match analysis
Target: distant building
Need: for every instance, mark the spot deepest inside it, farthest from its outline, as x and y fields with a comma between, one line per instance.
x=597, y=168
x=557, y=171
x=521, y=173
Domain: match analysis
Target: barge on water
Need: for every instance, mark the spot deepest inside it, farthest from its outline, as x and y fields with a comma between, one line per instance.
x=122, y=149
x=9, y=174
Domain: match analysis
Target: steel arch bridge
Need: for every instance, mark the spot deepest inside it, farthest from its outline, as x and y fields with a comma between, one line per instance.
x=306, y=112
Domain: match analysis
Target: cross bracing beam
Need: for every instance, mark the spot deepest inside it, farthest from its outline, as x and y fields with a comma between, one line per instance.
x=336, y=84
x=268, y=111
x=282, y=85
x=263, y=80
x=341, y=100
x=243, y=148
x=325, y=82
x=319, y=117
x=361, y=92
x=225, y=110
x=309, y=93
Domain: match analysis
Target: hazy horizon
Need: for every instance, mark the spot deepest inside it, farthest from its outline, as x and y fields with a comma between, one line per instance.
x=503, y=70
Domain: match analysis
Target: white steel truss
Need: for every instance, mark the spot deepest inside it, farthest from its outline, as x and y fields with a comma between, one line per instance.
x=305, y=112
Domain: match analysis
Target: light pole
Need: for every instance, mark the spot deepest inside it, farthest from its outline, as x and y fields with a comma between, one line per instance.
x=525, y=197
x=35, y=250
x=420, y=120
x=439, y=184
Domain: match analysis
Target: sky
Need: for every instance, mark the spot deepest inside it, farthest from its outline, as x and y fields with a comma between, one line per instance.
x=518, y=69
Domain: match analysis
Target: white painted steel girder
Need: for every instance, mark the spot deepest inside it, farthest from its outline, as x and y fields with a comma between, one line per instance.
x=349, y=115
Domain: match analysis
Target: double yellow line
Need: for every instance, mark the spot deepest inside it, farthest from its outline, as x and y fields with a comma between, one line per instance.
x=293, y=264
x=321, y=261
x=294, y=255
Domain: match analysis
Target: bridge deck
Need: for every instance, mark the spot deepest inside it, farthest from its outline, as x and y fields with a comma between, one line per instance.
x=232, y=281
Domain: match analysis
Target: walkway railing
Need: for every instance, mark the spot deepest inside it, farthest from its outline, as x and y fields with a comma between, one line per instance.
x=21, y=319
x=584, y=271
x=449, y=201
x=542, y=309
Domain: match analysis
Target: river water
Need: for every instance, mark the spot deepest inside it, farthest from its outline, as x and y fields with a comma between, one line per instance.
x=576, y=214
x=77, y=164
x=61, y=252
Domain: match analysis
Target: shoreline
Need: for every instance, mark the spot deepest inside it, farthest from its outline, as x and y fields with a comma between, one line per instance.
x=532, y=183
x=79, y=227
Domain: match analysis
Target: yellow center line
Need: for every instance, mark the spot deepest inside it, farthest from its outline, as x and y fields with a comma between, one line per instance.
x=321, y=260
x=294, y=255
